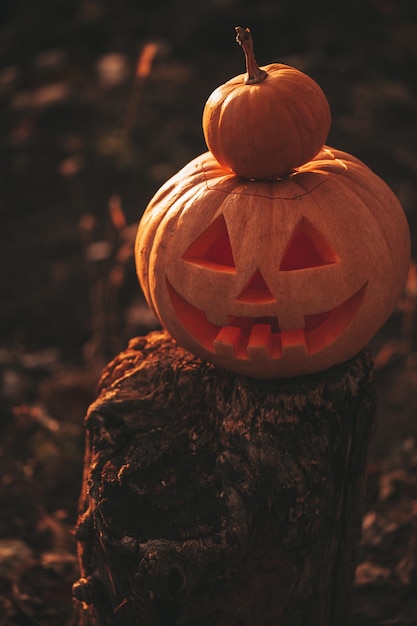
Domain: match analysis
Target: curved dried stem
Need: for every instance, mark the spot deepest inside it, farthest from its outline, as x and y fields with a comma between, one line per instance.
x=254, y=74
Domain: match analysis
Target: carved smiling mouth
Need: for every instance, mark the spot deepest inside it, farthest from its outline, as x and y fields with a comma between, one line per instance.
x=261, y=337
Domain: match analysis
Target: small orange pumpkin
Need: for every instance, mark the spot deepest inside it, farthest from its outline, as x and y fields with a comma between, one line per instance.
x=268, y=122
x=274, y=278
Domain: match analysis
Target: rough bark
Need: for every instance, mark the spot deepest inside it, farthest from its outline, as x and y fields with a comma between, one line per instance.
x=211, y=499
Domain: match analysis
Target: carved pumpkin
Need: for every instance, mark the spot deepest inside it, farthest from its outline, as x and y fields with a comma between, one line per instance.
x=267, y=122
x=274, y=278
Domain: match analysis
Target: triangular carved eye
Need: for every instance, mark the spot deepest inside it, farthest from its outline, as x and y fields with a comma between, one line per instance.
x=256, y=290
x=212, y=248
x=307, y=248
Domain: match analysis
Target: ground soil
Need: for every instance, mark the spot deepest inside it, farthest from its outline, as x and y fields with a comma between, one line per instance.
x=84, y=145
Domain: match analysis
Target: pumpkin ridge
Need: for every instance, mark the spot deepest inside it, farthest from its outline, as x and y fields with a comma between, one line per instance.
x=349, y=188
x=226, y=121
x=273, y=183
x=300, y=177
x=300, y=143
x=292, y=148
x=150, y=230
x=306, y=131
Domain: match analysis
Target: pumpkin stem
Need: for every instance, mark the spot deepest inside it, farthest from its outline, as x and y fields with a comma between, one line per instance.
x=254, y=74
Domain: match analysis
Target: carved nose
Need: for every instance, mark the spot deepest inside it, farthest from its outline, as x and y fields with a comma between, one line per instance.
x=256, y=290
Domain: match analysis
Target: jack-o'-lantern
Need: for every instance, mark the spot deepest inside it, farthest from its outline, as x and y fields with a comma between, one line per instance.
x=267, y=122
x=274, y=278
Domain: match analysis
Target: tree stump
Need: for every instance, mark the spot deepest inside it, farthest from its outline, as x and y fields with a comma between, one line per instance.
x=212, y=499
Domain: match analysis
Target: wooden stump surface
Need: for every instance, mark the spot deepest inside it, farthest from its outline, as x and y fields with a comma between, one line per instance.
x=212, y=499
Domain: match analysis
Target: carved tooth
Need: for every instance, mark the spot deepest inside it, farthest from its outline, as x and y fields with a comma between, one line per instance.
x=276, y=352
x=260, y=342
x=294, y=341
x=227, y=341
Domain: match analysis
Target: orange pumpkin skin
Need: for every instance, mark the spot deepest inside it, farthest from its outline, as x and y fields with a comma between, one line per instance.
x=274, y=279
x=267, y=129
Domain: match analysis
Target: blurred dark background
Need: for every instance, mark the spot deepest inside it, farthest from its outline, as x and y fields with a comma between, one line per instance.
x=84, y=144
